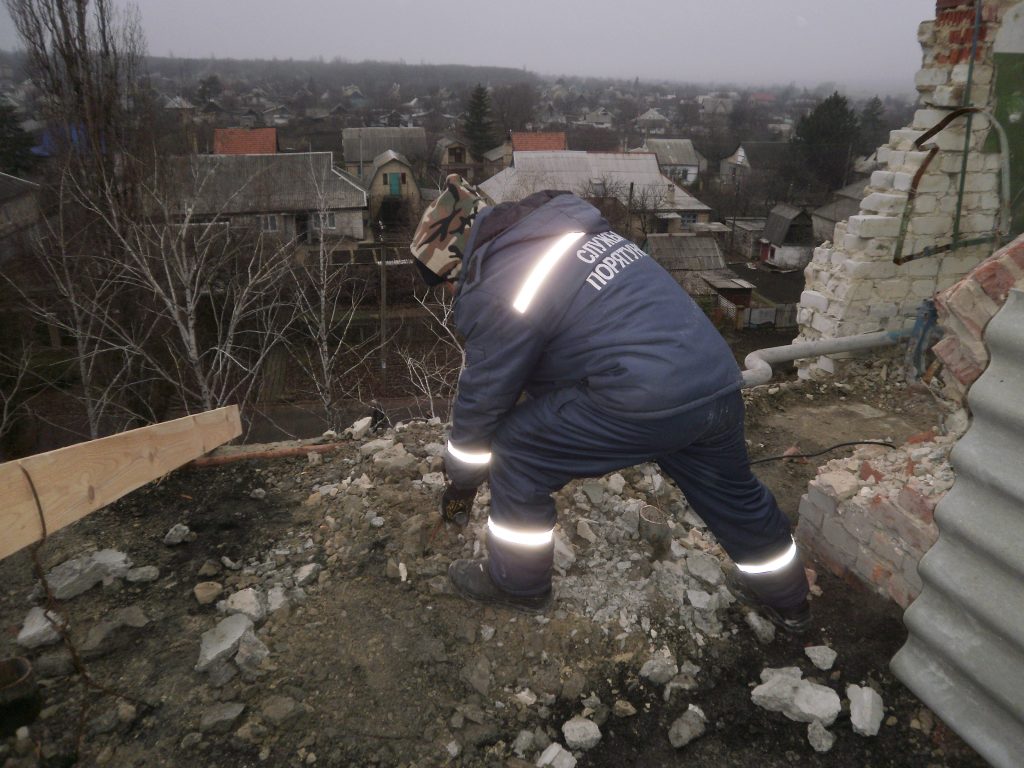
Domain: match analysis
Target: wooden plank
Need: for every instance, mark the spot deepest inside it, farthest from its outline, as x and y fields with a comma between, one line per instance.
x=74, y=481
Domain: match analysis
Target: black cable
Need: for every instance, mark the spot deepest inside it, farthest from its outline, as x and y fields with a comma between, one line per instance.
x=826, y=450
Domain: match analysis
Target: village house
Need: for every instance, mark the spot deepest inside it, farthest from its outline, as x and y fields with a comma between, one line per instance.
x=845, y=203
x=789, y=237
x=245, y=141
x=652, y=122
x=360, y=146
x=394, y=195
x=302, y=197
x=452, y=155
x=677, y=158
x=628, y=187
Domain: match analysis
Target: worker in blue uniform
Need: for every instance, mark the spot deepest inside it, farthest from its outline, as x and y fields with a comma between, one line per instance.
x=619, y=367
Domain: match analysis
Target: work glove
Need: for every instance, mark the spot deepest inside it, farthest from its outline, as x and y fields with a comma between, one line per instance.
x=456, y=504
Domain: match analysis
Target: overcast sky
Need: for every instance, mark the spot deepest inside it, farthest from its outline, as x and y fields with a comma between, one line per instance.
x=861, y=44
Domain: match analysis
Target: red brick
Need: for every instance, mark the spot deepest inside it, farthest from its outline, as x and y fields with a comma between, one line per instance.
x=971, y=305
x=916, y=503
x=900, y=591
x=880, y=575
x=994, y=279
x=867, y=471
x=887, y=548
x=1015, y=251
x=954, y=356
x=922, y=437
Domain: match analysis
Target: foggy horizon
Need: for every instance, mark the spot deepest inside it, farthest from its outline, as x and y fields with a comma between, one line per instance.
x=733, y=43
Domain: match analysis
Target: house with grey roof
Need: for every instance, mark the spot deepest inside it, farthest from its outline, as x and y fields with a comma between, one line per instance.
x=361, y=146
x=677, y=158
x=845, y=203
x=629, y=189
x=652, y=122
x=789, y=236
x=300, y=197
x=393, y=194
x=697, y=264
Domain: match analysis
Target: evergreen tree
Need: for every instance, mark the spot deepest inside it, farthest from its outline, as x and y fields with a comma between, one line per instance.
x=478, y=126
x=15, y=144
x=826, y=140
x=873, y=130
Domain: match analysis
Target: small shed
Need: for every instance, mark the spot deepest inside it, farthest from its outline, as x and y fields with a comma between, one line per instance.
x=789, y=236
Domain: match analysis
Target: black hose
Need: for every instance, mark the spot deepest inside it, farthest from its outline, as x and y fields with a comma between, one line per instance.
x=826, y=450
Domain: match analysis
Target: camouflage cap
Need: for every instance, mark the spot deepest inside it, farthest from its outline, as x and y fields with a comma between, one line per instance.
x=440, y=238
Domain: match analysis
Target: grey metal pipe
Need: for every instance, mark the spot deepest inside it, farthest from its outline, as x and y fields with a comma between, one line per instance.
x=759, y=362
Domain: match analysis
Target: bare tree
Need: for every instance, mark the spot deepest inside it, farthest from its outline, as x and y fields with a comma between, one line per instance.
x=433, y=369
x=15, y=376
x=328, y=297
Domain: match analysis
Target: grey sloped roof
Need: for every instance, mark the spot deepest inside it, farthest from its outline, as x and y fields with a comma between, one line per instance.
x=578, y=172
x=652, y=115
x=240, y=184
x=780, y=219
x=671, y=151
x=383, y=159
x=685, y=252
x=364, y=144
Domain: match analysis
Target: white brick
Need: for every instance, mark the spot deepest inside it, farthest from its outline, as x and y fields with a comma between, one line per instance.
x=881, y=179
x=896, y=158
x=977, y=223
x=989, y=202
x=947, y=96
x=982, y=182
x=914, y=159
x=922, y=289
x=880, y=247
x=895, y=289
x=926, y=33
x=991, y=162
x=921, y=267
x=804, y=315
x=928, y=118
x=935, y=183
x=958, y=264
x=874, y=226
x=870, y=270
x=901, y=181
x=853, y=244
x=926, y=204
x=953, y=161
x=880, y=309
x=929, y=78
x=931, y=225
x=904, y=138
x=827, y=364
x=824, y=325
x=884, y=203
x=814, y=300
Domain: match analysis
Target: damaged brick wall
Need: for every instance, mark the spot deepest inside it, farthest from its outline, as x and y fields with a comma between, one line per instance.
x=965, y=309
x=869, y=517
x=853, y=285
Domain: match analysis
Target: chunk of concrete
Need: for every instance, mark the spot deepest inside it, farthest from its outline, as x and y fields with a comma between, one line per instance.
x=691, y=725
x=660, y=669
x=556, y=756
x=222, y=641
x=581, y=733
x=819, y=737
x=248, y=602
x=821, y=656
x=73, y=577
x=866, y=709
x=39, y=629
x=797, y=699
x=221, y=718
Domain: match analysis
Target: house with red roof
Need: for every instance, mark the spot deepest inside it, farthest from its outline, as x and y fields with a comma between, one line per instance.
x=245, y=141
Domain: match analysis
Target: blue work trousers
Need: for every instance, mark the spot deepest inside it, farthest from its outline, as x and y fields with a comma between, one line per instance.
x=547, y=441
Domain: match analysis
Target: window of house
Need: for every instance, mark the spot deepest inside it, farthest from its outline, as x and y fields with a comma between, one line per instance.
x=688, y=218
x=324, y=220
x=456, y=154
x=269, y=222
x=384, y=179
x=403, y=179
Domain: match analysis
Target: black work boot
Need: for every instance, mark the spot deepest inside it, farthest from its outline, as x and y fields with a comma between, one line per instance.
x=780, y=596
x=472, y=580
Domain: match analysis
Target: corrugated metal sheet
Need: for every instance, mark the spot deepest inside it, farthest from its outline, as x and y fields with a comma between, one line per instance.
x=671, y=151
x=964, y=657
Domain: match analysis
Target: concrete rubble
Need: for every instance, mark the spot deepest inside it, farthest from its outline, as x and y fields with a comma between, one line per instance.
x=866, y=709
x=581, y=733
x=784, y=690
x=689, y=726
x=73, y=577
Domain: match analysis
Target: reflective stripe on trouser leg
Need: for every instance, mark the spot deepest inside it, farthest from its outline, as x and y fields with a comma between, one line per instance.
x=520, y=560
x=778, y=581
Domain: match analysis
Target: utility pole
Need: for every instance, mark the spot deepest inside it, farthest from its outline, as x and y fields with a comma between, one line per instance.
x=383, y=313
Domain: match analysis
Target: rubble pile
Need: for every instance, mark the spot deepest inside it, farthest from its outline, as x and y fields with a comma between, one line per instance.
x=652, y=609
